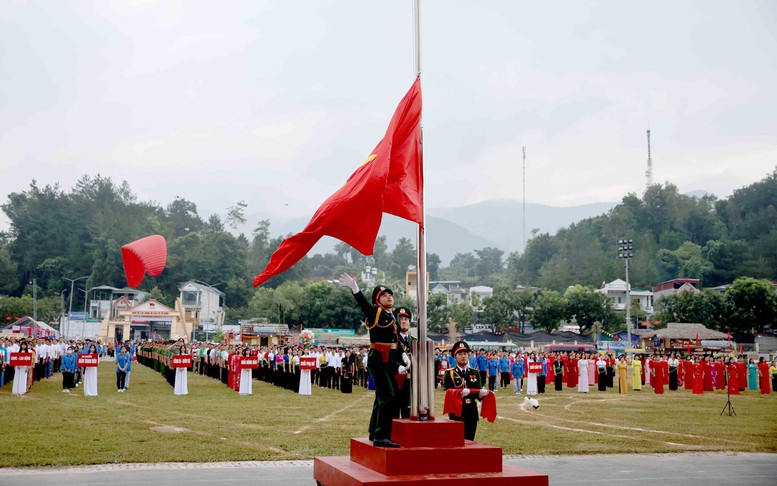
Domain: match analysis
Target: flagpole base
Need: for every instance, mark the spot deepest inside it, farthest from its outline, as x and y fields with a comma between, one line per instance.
x=432, y=452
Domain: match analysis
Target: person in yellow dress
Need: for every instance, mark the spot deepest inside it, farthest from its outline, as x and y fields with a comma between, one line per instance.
x=623, y=371
x=636, y=377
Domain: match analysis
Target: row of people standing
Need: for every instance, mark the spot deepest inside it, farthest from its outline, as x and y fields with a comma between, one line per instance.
x=48, y=357
x=584, y=370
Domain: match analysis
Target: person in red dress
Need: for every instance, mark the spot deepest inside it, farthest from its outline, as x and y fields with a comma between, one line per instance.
x=233, y=381
x=733, y=377
x=688, y=373
x=642, y=370
x=708, y=382
x=698, y=378
x=742, y=375
x=658, y=378
x=763, y=376
x=550, y=368
x=573, y=373
x=720, y=374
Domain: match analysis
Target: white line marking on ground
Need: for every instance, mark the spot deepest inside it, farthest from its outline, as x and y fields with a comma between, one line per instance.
x=327, y=417
x=586, y=431
x=638, y=429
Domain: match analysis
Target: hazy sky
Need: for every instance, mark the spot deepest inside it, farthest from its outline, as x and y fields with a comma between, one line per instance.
x=277, y=102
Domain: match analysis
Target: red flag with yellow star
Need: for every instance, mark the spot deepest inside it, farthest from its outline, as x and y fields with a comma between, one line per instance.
x=390, y=181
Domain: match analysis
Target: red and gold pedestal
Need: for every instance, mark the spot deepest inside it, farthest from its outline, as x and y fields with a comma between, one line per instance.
x=433, y=452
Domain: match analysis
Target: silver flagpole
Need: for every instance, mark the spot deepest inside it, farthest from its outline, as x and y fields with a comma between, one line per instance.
x=421, y=373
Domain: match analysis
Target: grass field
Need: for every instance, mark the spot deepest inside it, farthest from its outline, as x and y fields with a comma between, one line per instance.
x=149, y=424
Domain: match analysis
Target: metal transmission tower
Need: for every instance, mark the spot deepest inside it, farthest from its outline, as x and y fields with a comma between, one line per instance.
x=524, y=199
x=649, y=171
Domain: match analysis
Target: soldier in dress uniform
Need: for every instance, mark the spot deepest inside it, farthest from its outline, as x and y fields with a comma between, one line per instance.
x=465, y=378
x=384, y=360
x=403, y=380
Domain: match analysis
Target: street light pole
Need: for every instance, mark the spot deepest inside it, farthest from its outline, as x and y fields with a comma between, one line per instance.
x=70, y=306
x=625, y=252
x=35, y=300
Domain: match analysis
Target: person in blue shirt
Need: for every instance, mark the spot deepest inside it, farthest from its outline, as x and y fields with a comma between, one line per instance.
x=493, y=371
x=131, y=351
x=451, y=360
x=68, y=370
x=473, y=361
x=518, y=369
x=482, y=365
x=504, y=370
x=122, y=366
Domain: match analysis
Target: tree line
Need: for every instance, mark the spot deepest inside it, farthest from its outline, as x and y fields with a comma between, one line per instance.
x=57, y=235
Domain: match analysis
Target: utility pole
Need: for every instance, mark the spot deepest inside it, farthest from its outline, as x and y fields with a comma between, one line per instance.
x=625, y=252
x=649, y=171
x=70, y=306
x=524, y=199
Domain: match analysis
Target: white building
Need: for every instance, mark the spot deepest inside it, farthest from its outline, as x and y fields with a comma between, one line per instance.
x=205, y=304
x=616, y=291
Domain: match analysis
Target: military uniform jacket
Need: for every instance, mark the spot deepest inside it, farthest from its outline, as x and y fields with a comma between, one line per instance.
x=456, y=378
x=385, y=329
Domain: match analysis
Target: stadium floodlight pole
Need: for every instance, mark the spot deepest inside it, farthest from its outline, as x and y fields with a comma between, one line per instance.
x=70, y=306
x=626, y=252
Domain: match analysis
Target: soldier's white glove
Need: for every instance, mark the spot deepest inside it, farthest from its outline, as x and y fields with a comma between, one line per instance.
x=483, y=392
x=348, y=281
x=464, y=392
x=402, y=370
x=406, y=360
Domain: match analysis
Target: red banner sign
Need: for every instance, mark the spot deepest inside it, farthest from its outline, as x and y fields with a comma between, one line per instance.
x=249, y=362
x=535, y=367
x=87, y=360
x=20, y=359
x=308, y=363
x=181, y=361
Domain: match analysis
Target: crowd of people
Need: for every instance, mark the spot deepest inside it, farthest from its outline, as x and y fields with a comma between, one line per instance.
x=342, y=368
x=703, y=373
x=49, y=357
x=338, y=368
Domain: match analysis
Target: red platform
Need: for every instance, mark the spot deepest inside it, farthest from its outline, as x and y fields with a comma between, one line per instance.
x=431, y=452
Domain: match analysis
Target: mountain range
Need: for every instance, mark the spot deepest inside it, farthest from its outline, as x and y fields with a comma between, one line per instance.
x=452, y=230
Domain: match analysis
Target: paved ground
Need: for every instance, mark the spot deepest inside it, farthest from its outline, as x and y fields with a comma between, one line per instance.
x=690, y=469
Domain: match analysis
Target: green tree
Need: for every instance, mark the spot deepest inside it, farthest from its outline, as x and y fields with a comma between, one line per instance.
x=588, y=306
x=752, y=304
x=489, y=262
x=706, y=307
x=549, y=311
x=500, y=309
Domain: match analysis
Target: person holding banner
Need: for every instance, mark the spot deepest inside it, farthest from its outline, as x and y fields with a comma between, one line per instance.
x=90, y=374
x=385, y=358
x=68, y=370
x=307, y=363
x=20, y=373
x=181, y=386
x=122, y=365
x=246, y=380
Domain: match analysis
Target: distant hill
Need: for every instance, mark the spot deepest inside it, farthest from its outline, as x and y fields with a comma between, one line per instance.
x=501, y=221
x=497, y=223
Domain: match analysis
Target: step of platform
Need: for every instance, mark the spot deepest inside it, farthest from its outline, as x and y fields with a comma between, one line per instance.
x=341, y=471
x=472, y=457
x=433, y=433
